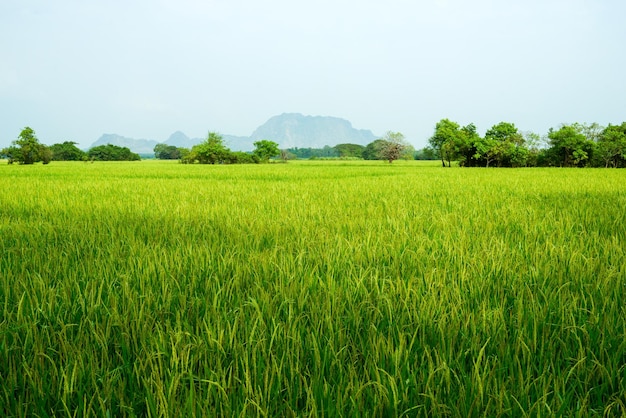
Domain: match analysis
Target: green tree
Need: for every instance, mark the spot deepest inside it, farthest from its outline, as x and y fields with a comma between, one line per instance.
x=27, y=149
x=350, y=150
x=211, y=151
x=371, y=151
x=464, y=146
x=444, y=138
x=12, y=154
x=488, y=150
x=264, y=150
x=611, y=148
x=569, y=147
x=110, y=152
x=507, y=145
x=166, y=152
x=66, y=151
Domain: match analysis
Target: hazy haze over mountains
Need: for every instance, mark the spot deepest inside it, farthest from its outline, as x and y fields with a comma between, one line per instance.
x=289, y=130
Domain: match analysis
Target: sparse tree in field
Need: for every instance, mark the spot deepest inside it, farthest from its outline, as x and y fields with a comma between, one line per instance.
x=392, y=146
x=265, y=149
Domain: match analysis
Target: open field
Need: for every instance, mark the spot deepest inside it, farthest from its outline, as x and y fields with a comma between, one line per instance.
x=311, y=289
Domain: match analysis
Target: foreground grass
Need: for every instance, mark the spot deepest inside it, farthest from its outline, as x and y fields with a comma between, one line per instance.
x=311, y=289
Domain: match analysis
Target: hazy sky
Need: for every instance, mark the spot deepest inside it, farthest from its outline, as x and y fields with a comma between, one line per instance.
x=75, y=69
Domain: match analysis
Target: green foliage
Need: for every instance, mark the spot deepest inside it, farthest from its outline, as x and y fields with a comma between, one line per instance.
x=264, y=150
x=214, y=151
x=569, y=147
x=240, y=157
x=503, y=146
x=350, y=150
x=445, y=139
x=67, y=151
x=372, y=150
x=311, y=289
x=426, y=153
x=308, y=153
x=167, y=152
x=611, y=148
x=27, y=149
x=12, y=154
x=211, y=151
x=110, y=152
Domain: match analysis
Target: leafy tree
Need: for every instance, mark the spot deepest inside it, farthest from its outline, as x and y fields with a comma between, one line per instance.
x=264, y=150
x=46, y=155
x=350, y=150
x=240, y=157
x=488, y=150
x=592, y=131
x=464, y=146
x=611, y=147
x=211, y=151
x=505, y=131
x=167, y=152
x=392, y=146
x=11, y=153
x=110, y=152
x=67, y=151
x=508, y=145
x=371, y=151
x=27, y=149
x=444, y=138
x=569, y=147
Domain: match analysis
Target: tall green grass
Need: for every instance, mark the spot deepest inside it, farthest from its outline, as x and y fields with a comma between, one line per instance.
x=311, y=289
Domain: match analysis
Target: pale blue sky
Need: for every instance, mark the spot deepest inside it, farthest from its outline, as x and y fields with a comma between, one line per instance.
x=75, y=69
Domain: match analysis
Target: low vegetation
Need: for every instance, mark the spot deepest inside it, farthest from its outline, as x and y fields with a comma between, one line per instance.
x=336, y=288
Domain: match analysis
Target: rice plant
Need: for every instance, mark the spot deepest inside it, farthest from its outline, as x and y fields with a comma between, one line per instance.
x=311, y=289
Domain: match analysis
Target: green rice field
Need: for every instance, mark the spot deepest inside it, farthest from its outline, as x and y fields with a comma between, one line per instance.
x=313, y=288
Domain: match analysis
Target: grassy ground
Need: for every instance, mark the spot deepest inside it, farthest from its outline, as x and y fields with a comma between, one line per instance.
x=311, y=289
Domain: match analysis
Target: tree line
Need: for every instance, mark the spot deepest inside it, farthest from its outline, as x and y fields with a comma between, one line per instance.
x=503, y=145
x=27, y=149
x=213, y=150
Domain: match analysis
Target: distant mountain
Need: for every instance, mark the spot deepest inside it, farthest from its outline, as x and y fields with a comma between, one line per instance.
x=292, y=130
x=238, y=143
x=179, y=139
x=233, y=142
x=140, y=146
x=289, y=130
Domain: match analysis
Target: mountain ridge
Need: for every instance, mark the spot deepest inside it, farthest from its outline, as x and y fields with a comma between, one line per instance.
x=289, y=130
